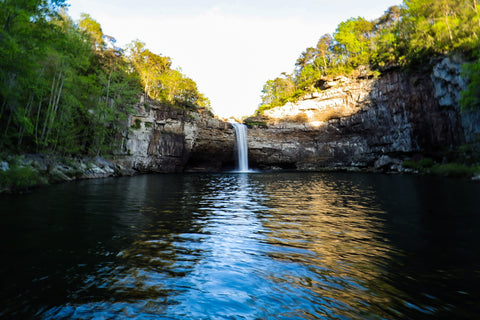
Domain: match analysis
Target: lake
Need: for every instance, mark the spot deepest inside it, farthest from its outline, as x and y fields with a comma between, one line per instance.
x=243, y=246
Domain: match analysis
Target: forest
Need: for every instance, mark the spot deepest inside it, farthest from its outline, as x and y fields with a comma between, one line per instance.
x=67, y=89
x=405, y=36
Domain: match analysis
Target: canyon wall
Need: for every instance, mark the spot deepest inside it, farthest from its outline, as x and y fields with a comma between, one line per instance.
x=367, y=123
x=349, y=124
x=352, y=124
x=168, y=139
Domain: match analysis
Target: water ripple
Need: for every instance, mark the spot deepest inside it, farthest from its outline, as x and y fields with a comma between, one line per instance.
x=237, y=246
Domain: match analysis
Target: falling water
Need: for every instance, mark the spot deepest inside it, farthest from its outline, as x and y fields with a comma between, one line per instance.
x=242, y=148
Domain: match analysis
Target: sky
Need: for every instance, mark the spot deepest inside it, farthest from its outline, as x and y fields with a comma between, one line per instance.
x=229, y=48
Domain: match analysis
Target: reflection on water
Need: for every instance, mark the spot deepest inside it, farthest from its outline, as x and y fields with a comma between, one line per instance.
x=337, y=238
x=243, y=246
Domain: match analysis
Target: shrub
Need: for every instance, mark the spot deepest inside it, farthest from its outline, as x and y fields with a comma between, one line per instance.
x=260, y=124
x=454, y=170
x=137, y=124
x=18, y=178
x=420, y=165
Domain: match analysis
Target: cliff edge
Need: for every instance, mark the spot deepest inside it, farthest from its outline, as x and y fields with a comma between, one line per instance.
x=368, y=124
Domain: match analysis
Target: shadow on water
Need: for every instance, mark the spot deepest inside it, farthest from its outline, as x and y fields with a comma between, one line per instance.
x=253, y=246
x=435, y=226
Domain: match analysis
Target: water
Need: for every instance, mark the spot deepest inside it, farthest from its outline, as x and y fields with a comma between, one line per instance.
x=243, y=246
x=242, y=147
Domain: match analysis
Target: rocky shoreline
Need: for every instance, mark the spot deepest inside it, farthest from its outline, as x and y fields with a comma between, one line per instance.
x=397, y=123
x=22, y=172
x=46, y=170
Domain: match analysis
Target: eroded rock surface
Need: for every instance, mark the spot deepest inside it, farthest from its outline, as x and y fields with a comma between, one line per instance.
x=368, y=123
x=166, y=139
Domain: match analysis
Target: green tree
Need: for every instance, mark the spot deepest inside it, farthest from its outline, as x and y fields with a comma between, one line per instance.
x=439, y=26
x=324, y=57
x=94, y=31
x=163, y=83
x=25, y=34
x=149, y=66
x=354, y=43
x=277, y=92
x=389, y=50
x=470, y=99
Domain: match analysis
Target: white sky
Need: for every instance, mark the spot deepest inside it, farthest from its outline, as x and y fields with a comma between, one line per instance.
x=229, y=48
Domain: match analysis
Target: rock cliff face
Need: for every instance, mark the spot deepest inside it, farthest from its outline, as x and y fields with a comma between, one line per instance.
x=368, y=123
x=166, y=139
x=353, y=124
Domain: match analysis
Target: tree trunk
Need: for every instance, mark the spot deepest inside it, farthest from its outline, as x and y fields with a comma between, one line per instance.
x=21, y=132
x=49, y=108
x=475, y=7
x=447, y=23
x=52, y=110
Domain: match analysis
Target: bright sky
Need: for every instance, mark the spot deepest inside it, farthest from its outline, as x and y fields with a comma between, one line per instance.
x=230, y=48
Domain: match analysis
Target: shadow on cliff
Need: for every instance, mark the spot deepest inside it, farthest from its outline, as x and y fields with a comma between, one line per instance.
x=367, y=123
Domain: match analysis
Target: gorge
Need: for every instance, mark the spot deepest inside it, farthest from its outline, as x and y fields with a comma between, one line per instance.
x=351, y=193
x=354, y=124
x=349, y=124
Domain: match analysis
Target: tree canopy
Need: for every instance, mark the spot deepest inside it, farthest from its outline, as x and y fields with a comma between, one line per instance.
x=404, y=35
x=66, y=88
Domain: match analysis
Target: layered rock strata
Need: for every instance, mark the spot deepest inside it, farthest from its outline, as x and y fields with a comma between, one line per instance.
x=367, y=123
x=167, y=139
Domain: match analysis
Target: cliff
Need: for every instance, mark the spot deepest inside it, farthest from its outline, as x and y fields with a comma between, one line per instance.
x=167, y=139
x=349, y=124
x=368, y=123
x=160, y=138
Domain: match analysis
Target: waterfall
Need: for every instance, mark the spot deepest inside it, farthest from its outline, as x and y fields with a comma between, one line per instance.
x=242, y=148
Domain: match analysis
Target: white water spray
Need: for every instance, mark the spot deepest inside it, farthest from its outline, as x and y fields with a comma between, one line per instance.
x=242, y=148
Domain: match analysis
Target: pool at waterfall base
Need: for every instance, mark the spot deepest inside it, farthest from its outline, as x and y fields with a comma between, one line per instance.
x=243, y=246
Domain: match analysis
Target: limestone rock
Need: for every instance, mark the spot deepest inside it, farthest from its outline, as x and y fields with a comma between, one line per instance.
x=368, y=123
x=165, y=139
x=349, y=124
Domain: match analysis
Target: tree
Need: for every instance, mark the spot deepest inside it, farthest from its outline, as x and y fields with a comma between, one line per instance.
x=388, y=47
x=470, y=99
x=149, y=66
x=161, y=82
x=439, y=26
x=278, y=91
x=94, y=31
x=25, y=35
x=353, y=39
x=323, y=49
x=307, y=57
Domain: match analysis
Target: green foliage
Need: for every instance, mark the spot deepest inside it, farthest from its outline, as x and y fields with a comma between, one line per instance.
x=421, y=165
x=470, y=99
x=66, y=88
x=137, y=124
x=403, y=36
x=278, y=92
x=454, y=170
x=353, y=41
x=440, y=26
x=250, y=124
x=18, y=178
x=94, y=31
x=163, y=83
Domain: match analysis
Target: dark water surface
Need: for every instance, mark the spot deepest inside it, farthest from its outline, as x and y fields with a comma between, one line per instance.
x=243, y=246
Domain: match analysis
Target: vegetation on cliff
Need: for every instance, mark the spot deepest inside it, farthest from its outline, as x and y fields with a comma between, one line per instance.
x=66, y=88
x=404, y=36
